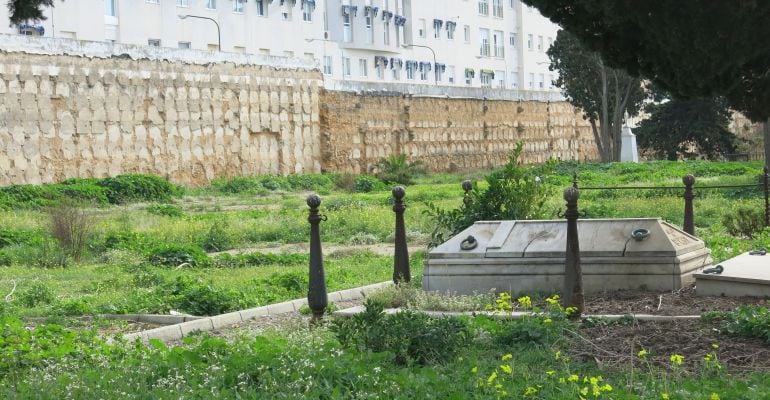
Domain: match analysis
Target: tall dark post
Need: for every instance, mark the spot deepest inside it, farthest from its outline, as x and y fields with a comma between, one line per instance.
x=317, y=299
x=766, y=185
x=573, y=273
x=467, y=187
x=689, y=219
x=574, y=180
x=401, y=259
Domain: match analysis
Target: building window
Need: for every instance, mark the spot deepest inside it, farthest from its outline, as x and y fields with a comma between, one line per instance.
x=184, y=45
x=550, y=81
x=286, y=14
x=500, y=76
x=347, y=31
x=541, y=82
x=109, y=8
x=238, y=6
x=467, y=33
x=512, y=39
x=539, y=43
x=369, y=29
x=396, y=74
x=327, y=65
x=362, y=67
x=497, y=8
x=451, y=74
x=423, y=73
x=183, y=3
x=211, y=4
x=379, y=71
x=153, y=42
x=486, y=78
x=514, y=80
x=529, y=42
x=288, y=53
x=346, y=66
x=484, y=39
x=261, y=8
x=497, y=42
x=531, y=82
x=550, y=42
x=410, y=67
x=439, y=72
x=437, y=24
x=469, y=73
x=511, y=3
x=386, y=32
x=484, y=7
x=421, y=28
x=307, y=12
x=450, y=30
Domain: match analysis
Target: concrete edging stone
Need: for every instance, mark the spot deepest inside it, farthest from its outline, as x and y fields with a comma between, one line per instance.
x=192, y=324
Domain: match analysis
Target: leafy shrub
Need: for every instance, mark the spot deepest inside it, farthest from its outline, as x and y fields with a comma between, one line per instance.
x=293, y=282
x=314, y=182
x=69, y=307
x=37, y=294
x=409, y=336
x=745, y=221
x=47, y=255
x=750, y=321
x=218, y=238
x=10, y=237
x=198, y=298
x=137, y=187
x=513, y=192
x=367, y=183
x=168, y=210
x=396, y=169
x=70, y=226
x=274, y=182
x=127, y=240
x=239, y=184
x=174, y=255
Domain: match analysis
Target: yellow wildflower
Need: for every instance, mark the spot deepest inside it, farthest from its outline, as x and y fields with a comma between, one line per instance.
x=549, y=372
x=715, y=346
x=492, y=377
x=572, y=378
x=530, y=391
x=642, y=353
x=553, y=300
x=507, y=357
x=506, y=368
x=547, y=321
x=474, y=370
x=677, y=359
x=558, y=354
x=664, y=396
x=606, y=387
x=525, y=301
x=714, y=396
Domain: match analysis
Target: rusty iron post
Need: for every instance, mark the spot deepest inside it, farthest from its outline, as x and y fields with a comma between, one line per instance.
x=317, y=298
x=766, y=187
x=689, y=218
x=401, y=257
x=573, y=272
x=467, y=187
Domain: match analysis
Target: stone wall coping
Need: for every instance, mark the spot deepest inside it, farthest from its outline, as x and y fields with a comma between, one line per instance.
x=84, y=48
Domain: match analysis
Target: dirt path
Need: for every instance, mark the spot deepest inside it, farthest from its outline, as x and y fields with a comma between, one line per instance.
x=330, y=250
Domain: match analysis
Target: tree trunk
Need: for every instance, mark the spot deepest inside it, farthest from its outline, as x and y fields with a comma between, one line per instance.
x=604, y=126
x=766, y=137
x=597, y=139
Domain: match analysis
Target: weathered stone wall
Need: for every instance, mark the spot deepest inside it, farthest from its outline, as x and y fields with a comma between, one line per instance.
x=65, y=116
x=448, y=134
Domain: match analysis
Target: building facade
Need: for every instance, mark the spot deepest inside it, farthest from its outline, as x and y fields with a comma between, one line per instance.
x=494, y=44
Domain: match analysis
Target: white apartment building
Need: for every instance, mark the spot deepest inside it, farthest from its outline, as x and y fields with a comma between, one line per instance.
x=496, y=44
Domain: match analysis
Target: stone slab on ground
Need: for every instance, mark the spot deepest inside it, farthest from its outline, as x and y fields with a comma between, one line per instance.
x=744, y=275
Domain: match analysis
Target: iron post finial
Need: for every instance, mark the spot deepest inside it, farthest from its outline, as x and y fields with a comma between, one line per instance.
x=398, y=192
x=467, y=185
x=571, y=195
x=688, y=180
x=313, y=200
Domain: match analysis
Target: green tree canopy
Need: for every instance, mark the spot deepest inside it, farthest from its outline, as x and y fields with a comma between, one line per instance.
x=20, y=11
x=605, y=94
x=690, y=48
x=687, y=128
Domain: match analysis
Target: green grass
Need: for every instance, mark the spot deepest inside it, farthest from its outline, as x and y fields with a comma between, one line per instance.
x=263, y=212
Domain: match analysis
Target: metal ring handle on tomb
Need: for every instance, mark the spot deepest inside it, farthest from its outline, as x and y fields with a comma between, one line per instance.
x=469, y=243
x=640, y=234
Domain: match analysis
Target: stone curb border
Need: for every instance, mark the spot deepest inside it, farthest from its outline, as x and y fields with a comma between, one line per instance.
x=180, y=330
x=518, y=315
